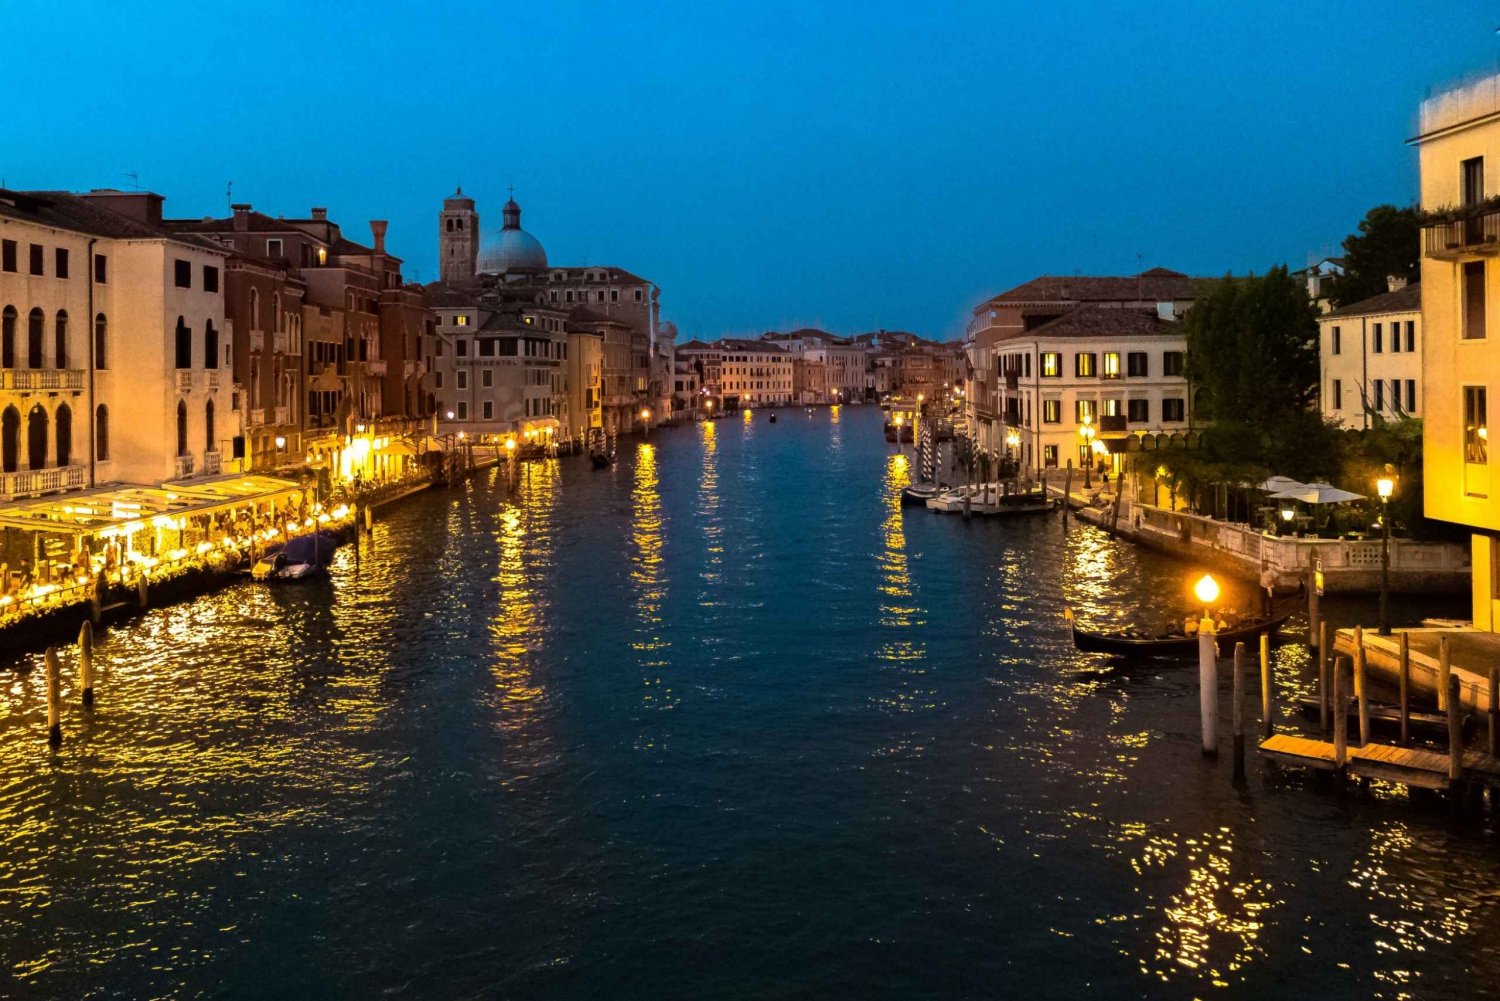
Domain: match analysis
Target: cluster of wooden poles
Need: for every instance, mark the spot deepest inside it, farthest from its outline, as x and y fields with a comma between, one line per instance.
x=54, y=681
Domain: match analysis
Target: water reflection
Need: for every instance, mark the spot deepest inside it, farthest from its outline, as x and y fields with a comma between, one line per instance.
x=647, y=578
x=709, y=522
x=518, y=630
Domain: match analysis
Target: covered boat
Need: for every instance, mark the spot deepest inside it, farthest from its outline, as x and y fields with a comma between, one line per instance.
x=919, y=494
x=301, y=557
x=1135, y=643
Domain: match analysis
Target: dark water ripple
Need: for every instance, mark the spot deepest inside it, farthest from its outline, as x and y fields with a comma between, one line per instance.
x=721, y=722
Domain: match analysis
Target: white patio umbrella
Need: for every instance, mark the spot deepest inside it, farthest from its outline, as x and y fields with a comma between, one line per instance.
x=1318, y=493
x=1276, y=484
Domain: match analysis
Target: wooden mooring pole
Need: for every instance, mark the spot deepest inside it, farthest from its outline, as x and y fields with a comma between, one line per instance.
x=54, y=697
x=1361, y=695
x=1492, y=714
x=1267, y=724
x=1405, y=687
x=1067, y=492
x=1455, y=735
x=1316, y=634
x=1208, y=686
x=86, y=662
x=1239, y=712
x=1445, y=670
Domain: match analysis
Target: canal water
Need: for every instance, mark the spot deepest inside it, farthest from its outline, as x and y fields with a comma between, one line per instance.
x=722, y=722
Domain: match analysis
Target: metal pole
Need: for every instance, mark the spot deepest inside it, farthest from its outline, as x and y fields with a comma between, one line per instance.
x=1385, y=565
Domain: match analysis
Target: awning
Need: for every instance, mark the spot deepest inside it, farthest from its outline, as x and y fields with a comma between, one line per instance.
x=109, y=510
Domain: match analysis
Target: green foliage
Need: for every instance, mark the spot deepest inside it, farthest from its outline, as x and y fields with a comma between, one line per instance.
x=1364, y=456
x=1388, y=243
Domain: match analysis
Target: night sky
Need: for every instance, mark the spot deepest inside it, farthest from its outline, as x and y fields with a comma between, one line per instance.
x=852, y=166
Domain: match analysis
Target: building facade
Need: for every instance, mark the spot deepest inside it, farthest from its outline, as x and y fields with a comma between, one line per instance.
x=1370, y=356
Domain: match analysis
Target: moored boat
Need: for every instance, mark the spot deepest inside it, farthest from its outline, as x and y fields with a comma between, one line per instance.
x=919, y=493
x=1135, y=643
x=298, y=559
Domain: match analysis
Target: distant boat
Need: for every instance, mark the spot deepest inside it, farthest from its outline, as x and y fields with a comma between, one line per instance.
x=301, y=557
x=773, y=418
x=602, y=460
x=1132, y=642
x=919, y=494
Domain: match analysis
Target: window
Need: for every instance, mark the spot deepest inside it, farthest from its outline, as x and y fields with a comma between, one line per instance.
x=184, y=348
x=637, y=295
x=463, y=379
x=1111, y=365
x=61, y=262
x=8, y=337
x=1136, y=365
x=614, y=295
x=462, y=320
x=7, y=255
x=1138, y=411
x=1085, y=411
x=183, y=274
x=101, y=269
x=1378, y=389
x=273, y=248
x=36, y=258
x=1411, y=335
x=1472, y=180
x=1052, y=411
x=1084, y=364
x=1377, y=338
x=487, y=378
x=463, y=410
x=101, y=328
x=34, y=323
x=1110, y=408
x=1473, y=294
x=182, y=441
x=488, y=410
x=1173, y=411
x=437, y=380
x=1049, y=455
x=101, y=433
x=210, y=278
x=1476, y=427
x=1051, y=365
x=1411, y=396
x=1396, y=337
x=208, y=426
x=1171, y=363
x=486, y=347
x=461, y=347
x=210, y=345
x=1338, y=394
x=1338, y=341
x=60, y=341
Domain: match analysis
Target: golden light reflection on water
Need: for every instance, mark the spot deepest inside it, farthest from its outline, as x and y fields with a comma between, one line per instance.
x=709, y=522
x=523, y=536
x=648, y=578
x=899, y=608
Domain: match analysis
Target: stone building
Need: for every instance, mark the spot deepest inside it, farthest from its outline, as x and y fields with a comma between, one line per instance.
x=1370, y=357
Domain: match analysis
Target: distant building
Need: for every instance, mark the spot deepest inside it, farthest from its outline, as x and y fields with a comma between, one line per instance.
x=1370, y=357
x=749, y=373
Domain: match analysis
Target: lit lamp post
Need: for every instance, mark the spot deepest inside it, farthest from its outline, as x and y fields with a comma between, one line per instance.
x=900, y=420
x=1207, y=592
x=1385, y=486
x=1287, y=514
x=1088, y=432
x=646, y=419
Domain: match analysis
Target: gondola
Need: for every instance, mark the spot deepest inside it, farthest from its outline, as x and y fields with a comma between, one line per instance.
x=773, y=418
x=601, y=460
x=1136, y=644
x=1387, y=717
x=918, y=494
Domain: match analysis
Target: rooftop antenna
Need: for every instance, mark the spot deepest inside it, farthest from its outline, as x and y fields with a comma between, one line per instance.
x=229, y=194
x=135, y=180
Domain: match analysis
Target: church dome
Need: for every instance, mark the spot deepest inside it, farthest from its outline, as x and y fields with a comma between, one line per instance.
x=512, y=249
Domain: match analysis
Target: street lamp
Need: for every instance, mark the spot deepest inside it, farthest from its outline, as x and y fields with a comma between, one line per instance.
x=646, y=419
x=1087, y=434
x=1287, y=514
x=1385, y=486
x=1207, y=591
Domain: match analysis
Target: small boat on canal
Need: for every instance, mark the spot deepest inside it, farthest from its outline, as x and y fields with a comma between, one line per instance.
x=1386, y=717
x=1136, y=643
x=300, y=558
x=918, y=494
x=773, y=418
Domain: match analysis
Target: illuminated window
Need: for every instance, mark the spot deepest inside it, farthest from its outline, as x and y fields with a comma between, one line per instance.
x=1085, y=410
x=1051, y=365
x=1476, y=424
x=461, y=321
x=1052, y=411
x=1085, y=364
x=1049, y=455
x=1111, y=365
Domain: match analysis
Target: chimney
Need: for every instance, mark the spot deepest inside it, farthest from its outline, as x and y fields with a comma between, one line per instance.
x=241, y=216
x=1394, y=283
x=319, y=213
x=377, y=230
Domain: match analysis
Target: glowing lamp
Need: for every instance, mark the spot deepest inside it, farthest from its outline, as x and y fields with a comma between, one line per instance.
x=280, y=442
x=1207, y=590
x=645, y=413
x=1287, y=514
x=450, y=415
x=510, y=444
x=1385, y=486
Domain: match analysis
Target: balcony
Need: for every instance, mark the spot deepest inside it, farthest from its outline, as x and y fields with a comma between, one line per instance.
x=375, y=367
x=211, y=463
x=184, y=380
x=257, y=341
x=184, y=467
x=31, y=482
x=30, y=380
x=213, y=378
x=280, y=414
x=1112, y=424
x=279, y=342
x=258, y=418
x=1454, y=239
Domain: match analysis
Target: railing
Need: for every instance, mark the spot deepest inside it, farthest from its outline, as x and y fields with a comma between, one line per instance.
x=213, y=378
x=184, y=381
x=29, y=379
x=211, y=463
x=30, y=482
x=257, y=341
x=375, y=366
x=279, y=342
x=1457, y=237
x=258, y=418
x=281, y=417
x=184, y=466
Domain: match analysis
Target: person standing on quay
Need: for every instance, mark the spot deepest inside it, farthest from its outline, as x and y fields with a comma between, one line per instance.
x=1267, y=586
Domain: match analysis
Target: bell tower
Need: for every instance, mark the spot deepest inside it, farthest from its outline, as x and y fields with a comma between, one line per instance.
x=458, y=239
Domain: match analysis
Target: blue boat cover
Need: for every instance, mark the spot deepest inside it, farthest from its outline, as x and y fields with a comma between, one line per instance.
x=314, y=547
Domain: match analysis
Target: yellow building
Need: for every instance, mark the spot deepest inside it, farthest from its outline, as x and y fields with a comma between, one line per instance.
x=1459, y=136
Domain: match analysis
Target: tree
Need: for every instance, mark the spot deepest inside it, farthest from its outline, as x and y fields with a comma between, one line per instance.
x=1388, y=243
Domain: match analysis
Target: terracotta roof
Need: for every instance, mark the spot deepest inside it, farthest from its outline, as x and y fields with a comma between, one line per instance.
x=440, y=296
x=581, y=315
x=255, y=222
x=1406, y=300
x=1157, y=284
x=1103, y=321
x=66, y=210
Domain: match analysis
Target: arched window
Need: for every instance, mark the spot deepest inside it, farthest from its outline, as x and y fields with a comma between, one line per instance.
x=208, y=426
x=64, y=435
x=101, y=433
x=8, y=337
x=210, y=345
x=10, y=439
x=184, y=345
x=254, y=309
x=36, y=438
x=60, y=343
x=182, y=442
x=34, y=325
x=101, y=353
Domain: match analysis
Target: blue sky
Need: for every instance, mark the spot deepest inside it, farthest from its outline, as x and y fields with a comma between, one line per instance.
x=850, y=165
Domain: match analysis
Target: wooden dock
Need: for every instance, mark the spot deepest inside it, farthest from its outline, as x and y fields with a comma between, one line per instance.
x=1302, y=751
